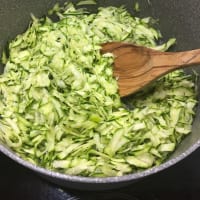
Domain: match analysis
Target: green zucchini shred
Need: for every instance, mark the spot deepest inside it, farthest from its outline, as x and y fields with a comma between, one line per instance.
x=86, y=2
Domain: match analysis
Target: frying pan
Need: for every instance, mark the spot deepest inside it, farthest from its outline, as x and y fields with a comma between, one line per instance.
x=177, y=18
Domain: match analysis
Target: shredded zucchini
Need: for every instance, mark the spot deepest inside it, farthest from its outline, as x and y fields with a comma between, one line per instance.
x=59, y=103
x=137, y=7
x=86, y=2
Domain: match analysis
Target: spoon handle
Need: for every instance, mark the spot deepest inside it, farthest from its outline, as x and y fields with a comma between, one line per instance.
x=169, y=61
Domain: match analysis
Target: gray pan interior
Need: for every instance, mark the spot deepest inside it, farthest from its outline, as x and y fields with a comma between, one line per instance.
x=178, y=18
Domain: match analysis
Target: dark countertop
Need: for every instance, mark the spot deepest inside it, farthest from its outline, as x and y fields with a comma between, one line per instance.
x=181, y=181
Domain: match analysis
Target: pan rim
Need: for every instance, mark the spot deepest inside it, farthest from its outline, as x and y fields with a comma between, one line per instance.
x=96, y=180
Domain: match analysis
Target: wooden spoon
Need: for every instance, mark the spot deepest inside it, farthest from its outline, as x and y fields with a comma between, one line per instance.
x=136, y=66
